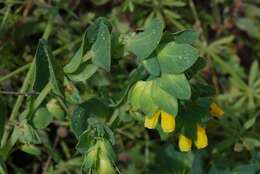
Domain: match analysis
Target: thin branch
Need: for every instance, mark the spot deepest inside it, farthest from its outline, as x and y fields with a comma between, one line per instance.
x=18, y=93
x=48, y=162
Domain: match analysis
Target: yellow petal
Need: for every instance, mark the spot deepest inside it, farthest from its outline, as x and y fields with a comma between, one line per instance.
x=202, y=139
x=215, y=110
x=184, y=143
x=150, y=122
x=167, y=122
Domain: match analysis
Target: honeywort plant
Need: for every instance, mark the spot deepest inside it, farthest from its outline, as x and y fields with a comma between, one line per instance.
x=163, y=86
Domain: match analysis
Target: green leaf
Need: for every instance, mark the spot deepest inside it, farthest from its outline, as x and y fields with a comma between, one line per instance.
x=140, y=97
x=248, y=25
x=246, y=169
x=202, y=90
x=101, y=49
x=253, y=74
x=76, y=60
x=91, y=157
x=196, y=67
x=89, y=37
x=55, y=109
x=42, y=118
x=197, y=165
x=183, y=37
x=47, y=69
x=31, y=149
x=175, y=58
x=74, y=63
x=152, y=66
x=93, y=107
x=250, y=122
x=180, y=159
x=136, y=94
x=255, y=142
x=84, y=142
x=143, y=44
x=72, y=94
x=79, y=120
x=163, y=100
x=26, y=133
x=175, y=84
x=92, y=29
x=146, y=102
x=186, y=36
x=84, y=72
x=42, y=75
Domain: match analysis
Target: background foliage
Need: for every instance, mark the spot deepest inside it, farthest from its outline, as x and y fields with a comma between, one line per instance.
x=52, y=141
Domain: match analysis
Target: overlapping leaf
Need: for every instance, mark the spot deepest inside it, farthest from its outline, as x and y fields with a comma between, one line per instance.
x=152, y=66
x=175, y=58
x=140, y=97
x=163, y=100
x=175, y=84
x=143, y=44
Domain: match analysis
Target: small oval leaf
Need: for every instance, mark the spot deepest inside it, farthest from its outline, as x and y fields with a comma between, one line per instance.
x=175, y=58
x=143, y=44
x=101, y=49
x=175, y=84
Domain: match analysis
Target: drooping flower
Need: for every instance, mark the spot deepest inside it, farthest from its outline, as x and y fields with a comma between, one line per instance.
x=215, y=110
x=150, y=122
x=167, y=121
x=202, y=139
x=201, y=142
x=184, y=143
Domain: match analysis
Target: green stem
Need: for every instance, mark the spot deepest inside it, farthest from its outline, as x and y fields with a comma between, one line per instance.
x=25, y=86
x=6, y=15
x=61, y=49
x=18, y=104
x=197, y=20
x=17, y=71
x=25, y=67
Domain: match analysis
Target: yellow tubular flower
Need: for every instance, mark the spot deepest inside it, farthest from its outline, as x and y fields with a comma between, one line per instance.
x=216, y=111
x=150, y=122
x=184, y=143
x=202, y=139
x=167, y=122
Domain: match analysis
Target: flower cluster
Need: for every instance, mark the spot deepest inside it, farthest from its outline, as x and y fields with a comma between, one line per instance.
x=168, y=125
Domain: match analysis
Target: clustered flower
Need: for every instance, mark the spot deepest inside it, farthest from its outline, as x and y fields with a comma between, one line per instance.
x=168, y=125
